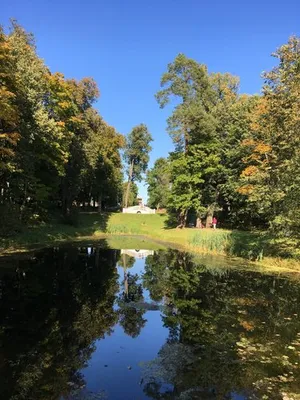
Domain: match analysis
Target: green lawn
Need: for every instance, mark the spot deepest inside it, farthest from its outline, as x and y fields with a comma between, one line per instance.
x=253, y=246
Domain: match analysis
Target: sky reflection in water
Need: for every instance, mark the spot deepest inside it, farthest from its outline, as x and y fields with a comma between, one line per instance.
x=95, y=323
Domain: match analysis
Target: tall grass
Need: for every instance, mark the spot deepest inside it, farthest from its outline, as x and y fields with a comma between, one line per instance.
x=251, y=246
x=211, y=240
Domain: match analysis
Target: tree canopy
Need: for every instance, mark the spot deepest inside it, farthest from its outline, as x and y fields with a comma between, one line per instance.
x=235, y=155
x=56, y=151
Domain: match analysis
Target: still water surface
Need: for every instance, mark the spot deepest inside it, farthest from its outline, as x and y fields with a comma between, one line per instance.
x=95, y=323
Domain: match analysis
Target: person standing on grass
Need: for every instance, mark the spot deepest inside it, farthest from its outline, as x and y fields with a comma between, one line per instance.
x=214, y=222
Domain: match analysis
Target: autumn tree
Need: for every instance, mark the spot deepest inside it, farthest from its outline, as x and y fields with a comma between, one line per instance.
x=55, y=148
x=8, y=114
x=271, y=174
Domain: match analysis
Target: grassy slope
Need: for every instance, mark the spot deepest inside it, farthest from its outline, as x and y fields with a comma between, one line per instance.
x=249, y=245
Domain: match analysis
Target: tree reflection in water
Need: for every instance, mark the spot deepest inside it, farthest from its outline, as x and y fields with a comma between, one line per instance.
x=230, y=331
x=54, y=306
x=130, y=315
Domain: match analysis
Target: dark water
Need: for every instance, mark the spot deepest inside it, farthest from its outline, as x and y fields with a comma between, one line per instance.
x=94, y=323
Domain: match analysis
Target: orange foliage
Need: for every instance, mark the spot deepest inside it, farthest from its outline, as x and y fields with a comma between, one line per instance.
x=259, y=111
x=248, y=326
x=248, y=142
x=245, y=189
x=250, y=171
x=60, y=123
x=262, y=148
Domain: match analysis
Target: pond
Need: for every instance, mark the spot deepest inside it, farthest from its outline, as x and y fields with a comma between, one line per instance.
x=98, y=323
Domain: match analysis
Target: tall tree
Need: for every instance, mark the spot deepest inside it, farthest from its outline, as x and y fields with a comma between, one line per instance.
x=137, y=155
x=39, y=156
x=188, y=82
x=8, y=113
x=271, y=178
x=133, y=194
x=197, y=132
x=158, y=180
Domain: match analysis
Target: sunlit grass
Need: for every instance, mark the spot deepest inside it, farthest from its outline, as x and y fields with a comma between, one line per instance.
x=211, y=240
x=251, y=246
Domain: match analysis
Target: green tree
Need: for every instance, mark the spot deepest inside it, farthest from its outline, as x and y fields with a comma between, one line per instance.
x=136, y=155
x=196, y=168
x=133, y=194
x=158, y=180
x=101, y=174
x=188, y=82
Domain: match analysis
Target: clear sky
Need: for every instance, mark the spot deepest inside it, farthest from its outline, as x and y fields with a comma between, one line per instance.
x=125, y=45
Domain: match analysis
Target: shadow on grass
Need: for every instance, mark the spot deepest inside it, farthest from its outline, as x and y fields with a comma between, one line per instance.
x=171, y=221
x=257, y=245
x=54, y=231
x=90, y=222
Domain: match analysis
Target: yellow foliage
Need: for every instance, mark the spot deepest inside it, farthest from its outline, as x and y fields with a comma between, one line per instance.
x=259, y=112
x=248, y=142
x=60, y=123
x=254, y=157
x=263, y=148
x=245, y=189
x=64, y=104
x=250, y=171
x=77, y=120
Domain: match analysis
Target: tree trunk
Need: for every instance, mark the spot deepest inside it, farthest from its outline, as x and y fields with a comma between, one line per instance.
x=23, y=203
x=185, y=218
x=99, y=203
x=208, y=223
x=66, y=197
x=128, y=184
x=198, y=223
x=182, y=219
x=125, y=277
x=209, y=215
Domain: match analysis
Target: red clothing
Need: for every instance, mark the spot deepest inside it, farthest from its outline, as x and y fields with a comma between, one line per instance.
x=214, y=221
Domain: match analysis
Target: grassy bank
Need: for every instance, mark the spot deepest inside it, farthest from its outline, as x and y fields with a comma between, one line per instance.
x=253, y=246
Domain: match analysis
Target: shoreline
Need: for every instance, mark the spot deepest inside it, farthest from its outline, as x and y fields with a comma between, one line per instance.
x=129, y=229
x=269, y=264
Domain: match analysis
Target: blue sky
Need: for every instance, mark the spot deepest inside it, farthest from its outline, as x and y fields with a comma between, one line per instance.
x=125, y=45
